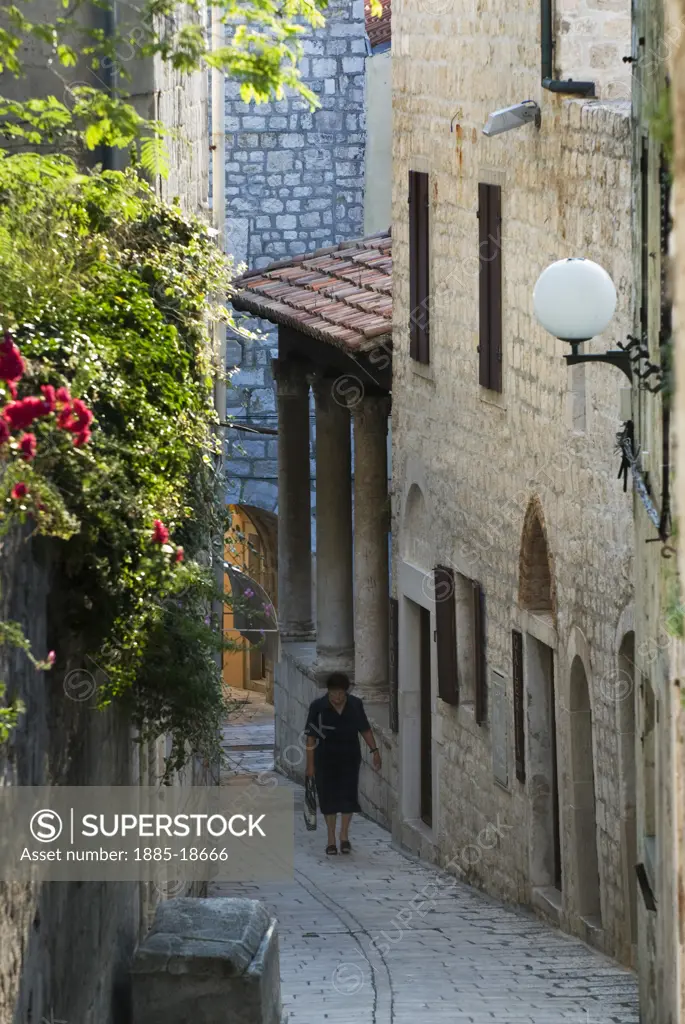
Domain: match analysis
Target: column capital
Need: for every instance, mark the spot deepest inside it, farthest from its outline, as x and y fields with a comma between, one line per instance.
x=346, y=390
x=291, y=376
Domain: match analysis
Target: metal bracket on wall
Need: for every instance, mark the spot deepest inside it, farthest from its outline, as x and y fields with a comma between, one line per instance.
x=615, y=357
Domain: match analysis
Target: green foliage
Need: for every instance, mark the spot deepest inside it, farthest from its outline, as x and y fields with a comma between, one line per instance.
x=12, y=635
x=106, y=290
x=9, y=715
x=259, y=46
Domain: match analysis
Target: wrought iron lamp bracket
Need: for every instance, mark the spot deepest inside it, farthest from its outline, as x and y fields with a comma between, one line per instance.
x=615, y=357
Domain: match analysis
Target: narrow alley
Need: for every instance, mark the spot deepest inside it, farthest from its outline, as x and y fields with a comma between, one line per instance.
x=378, y=938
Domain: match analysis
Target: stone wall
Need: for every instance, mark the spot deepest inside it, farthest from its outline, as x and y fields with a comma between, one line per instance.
x=467, y=462
x=65, y=948
x=378, y=177
x=591, y=39
x=294, y=183
x=659, y=654
x=295, y=688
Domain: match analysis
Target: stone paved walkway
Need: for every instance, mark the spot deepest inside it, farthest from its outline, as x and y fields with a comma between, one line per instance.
x=378, y=938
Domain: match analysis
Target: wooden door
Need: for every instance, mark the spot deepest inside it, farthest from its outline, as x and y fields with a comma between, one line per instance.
x=426, y=726
x=555, y=778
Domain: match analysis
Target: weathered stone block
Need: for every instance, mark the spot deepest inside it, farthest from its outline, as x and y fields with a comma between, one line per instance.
x=324, y=67
x=208, y=960
x=279, y=161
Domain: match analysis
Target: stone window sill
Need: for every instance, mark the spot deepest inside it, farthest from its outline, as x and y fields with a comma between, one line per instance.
x=424, y=370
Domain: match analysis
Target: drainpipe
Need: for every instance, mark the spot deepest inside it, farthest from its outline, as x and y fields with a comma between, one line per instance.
x=109, y=69
x=547, y=49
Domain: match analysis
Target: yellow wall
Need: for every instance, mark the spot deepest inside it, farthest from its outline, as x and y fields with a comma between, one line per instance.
x=235, y=662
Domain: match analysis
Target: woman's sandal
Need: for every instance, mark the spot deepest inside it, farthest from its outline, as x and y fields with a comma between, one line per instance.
x=331, y=850
x=345, y=846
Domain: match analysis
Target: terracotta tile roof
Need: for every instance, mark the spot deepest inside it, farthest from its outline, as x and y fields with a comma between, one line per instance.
x=378, y=29
x=341, y=295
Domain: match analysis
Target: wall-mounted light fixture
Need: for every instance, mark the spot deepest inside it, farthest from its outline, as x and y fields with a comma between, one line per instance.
x=575, y=299
x=547, y=54
x=508, y=118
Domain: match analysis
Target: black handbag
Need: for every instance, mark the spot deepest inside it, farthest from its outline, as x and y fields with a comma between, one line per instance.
x=310, y=804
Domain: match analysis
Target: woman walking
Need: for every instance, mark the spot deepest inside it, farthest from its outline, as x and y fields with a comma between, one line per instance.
x=334, y=723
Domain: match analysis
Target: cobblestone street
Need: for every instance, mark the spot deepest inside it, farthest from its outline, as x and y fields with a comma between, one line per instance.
x=355, y=948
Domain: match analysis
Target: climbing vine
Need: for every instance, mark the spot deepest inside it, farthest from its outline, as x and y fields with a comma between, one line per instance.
x=105, y=295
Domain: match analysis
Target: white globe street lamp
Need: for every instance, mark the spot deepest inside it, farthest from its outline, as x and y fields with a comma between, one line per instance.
x=574, y=299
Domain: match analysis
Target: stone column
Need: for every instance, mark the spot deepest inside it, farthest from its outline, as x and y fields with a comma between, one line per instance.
x=294, y=501
x=371, y=597
x=334, y=615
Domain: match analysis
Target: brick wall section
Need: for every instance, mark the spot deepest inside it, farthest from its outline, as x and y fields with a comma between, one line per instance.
x=294, y=183
x=565, y=191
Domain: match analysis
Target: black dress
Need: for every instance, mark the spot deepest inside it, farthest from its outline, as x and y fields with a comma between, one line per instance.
x=337, y=756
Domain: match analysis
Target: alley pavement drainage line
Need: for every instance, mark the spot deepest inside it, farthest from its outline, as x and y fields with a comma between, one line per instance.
x=340, y=912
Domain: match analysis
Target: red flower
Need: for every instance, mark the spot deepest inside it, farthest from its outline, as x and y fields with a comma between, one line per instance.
x=81, y=438
x=21, y=415
x=178, y=555
x=49, y=400
x=19, y=491
x=64, y=418
x=4, y=430
x=12, y=388
x=27, y=446
x=11, y=363
x=83, y=414
x=73, y=415
x=160, y=534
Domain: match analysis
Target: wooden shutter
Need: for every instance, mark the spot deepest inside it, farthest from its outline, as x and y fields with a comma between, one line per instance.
x=393, y=666
x=446, y=630
x=419, y=276
x=644, y=241
x=517, y=673
x=490, y=286
x=479, y=652
x=665, y=233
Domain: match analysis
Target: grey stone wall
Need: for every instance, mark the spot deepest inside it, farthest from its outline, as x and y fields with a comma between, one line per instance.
x=64, y=946
x=294, y=183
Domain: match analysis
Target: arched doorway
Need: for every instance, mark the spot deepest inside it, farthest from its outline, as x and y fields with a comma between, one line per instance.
x=418, y=778
x=583, y=803
x=251, y=544
x=624, y=693
x=537, y=596
x=536, y=584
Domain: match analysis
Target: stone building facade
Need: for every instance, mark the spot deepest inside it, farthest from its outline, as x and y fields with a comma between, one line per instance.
x=659, y=37
x=294, y=183
x=675, y=49
x=526, y=788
